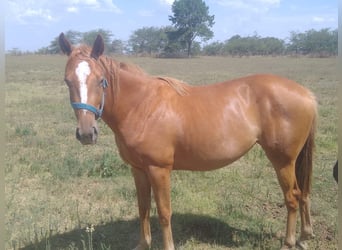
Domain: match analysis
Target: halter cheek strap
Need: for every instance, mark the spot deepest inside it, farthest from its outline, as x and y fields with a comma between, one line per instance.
x=91, y=108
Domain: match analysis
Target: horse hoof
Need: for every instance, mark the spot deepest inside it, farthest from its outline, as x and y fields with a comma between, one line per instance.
x=302, y=245
x=141, y=247
x=286, y=247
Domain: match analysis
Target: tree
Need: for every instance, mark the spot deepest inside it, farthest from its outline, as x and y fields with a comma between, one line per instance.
x=54, y=47
x=90, y=36
x=118, y=47
x=191, y=19
x=213, y=49
x=314, y=43
x=149, y=40
x=320, y=42
x=253, y=45
x=73, y=36
x=272, y=46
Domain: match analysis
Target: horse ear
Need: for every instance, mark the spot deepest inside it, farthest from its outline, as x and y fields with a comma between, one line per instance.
x=64, y=44
x=98, y=47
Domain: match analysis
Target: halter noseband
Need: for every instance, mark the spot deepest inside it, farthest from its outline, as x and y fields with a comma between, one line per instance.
x=91, y=108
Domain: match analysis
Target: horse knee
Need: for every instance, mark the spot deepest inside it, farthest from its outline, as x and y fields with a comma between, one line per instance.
x=164, y=220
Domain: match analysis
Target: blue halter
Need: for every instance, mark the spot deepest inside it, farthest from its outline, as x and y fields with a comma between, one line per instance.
x=91, y=108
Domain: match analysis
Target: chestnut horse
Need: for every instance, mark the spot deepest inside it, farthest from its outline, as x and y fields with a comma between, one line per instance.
x=162, y=124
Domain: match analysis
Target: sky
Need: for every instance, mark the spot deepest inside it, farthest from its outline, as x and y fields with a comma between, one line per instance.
x=33, y=24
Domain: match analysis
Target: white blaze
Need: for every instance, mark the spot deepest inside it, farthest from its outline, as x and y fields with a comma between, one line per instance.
x=82, y=71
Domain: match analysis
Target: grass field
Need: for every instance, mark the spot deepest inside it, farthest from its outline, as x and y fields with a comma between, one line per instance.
x=56, y=188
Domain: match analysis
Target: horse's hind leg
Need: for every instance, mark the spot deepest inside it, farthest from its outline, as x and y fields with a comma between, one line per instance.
x=306, y=229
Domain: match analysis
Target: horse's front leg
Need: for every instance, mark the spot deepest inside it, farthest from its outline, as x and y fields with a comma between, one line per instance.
x=143, y=188
x=161, y=185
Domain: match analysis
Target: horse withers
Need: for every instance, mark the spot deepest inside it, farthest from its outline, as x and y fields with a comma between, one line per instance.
x=161, y=124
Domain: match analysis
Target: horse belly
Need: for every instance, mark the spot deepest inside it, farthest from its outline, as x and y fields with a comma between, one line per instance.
x=208, y=156
x=198, y=164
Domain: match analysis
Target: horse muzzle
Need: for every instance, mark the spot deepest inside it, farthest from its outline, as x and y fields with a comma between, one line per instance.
x=87, y=136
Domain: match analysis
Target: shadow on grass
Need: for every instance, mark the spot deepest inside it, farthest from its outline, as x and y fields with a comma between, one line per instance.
x=123, y=234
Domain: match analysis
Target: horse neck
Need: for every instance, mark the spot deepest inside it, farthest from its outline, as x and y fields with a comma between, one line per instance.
x=125, y=92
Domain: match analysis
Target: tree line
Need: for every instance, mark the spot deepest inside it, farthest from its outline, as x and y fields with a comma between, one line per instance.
x=191, y=23
x=191, y=30
x=155, y=41
x=321, y=43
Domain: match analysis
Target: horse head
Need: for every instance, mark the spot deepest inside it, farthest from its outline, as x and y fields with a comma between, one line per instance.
x=85, y=78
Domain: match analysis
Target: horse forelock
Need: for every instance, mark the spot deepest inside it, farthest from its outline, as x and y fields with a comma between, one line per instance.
x=81, y=52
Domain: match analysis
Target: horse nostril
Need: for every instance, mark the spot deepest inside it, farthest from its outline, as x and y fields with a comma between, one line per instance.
x=88, y=137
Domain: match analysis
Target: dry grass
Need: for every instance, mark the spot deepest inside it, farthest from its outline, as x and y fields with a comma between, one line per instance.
x=55, y=188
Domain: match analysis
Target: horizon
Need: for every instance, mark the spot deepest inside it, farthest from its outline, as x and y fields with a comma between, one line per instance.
x=30, y=26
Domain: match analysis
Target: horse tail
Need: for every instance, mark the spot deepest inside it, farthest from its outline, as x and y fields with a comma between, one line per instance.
x=304, y=161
